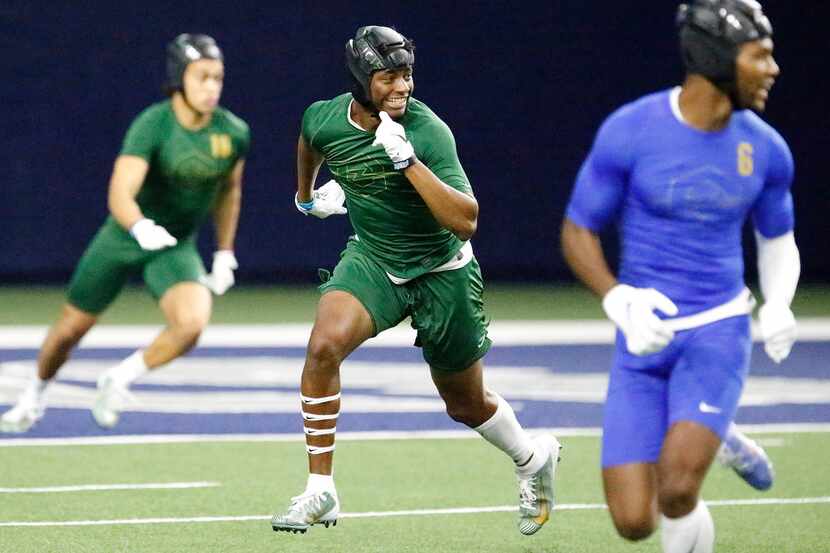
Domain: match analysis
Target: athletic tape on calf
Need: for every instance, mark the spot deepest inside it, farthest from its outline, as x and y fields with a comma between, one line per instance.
x=315, y=450
x=316, y=417
x=318, y=400
x=319, y=431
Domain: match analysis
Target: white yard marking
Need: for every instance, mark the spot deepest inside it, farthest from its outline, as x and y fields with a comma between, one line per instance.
x=413, y=512
x=110, y=487
x=775, y=428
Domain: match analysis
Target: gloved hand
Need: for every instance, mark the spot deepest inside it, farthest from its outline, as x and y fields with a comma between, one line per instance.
x=326, y=200
x=392, y=137
x=151, y=236
x=632, y=310
x=778, y=329
x=221, y=274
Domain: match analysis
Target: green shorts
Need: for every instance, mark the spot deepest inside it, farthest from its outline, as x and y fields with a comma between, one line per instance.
x=114, y=256
x=447, y=308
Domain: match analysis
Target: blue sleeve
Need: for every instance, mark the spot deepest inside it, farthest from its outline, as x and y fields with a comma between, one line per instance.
x=603, y=178
x=773, y=213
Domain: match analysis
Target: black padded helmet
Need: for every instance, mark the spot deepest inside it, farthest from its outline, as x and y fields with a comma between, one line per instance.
x=712, y=31
x=184, y=50
x=375, y=48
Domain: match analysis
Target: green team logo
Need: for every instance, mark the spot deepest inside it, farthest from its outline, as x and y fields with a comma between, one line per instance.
x=195, y=168
x=365, y=179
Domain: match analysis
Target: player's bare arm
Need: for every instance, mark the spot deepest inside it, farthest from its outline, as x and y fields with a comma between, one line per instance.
x=454, y=210
x=226, y=219
x=226, y=210
x=309, y=162
x=583, y=253
x=127, y=178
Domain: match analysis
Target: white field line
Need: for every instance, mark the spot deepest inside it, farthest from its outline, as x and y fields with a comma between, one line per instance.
x=109, y=487
x=774, y=428
x=413, y=512
x=503, y=333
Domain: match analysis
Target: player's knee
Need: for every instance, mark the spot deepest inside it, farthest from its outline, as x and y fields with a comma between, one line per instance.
x=456, y=412
x=463, y=410
x=67, y=335
x=634, y=527
x=325, y=350
x=678, y=495
x=189, y=327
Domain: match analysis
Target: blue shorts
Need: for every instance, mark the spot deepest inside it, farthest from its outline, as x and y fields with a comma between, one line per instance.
x=698, y=377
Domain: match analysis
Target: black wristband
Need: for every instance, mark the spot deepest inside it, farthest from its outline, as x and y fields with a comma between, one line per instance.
x=401, y=165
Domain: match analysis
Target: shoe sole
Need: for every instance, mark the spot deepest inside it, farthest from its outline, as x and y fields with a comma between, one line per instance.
x=303, y=529
x=755, y=483
x=101, y=423
x=14, y=429
x=18, y=428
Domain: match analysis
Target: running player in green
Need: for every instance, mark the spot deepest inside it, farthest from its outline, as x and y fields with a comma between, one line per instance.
x=413, y=212
x=181, y=159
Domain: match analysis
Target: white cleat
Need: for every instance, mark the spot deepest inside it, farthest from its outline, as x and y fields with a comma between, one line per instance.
x=24, y=415
x=306, y=510
x=536, y=491
x=111, y=398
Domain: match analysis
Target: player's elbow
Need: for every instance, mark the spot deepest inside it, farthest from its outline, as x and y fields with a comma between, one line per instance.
x=466, y=229
x=464, y=226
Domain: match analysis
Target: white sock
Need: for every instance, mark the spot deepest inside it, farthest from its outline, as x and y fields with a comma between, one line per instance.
x=319, y=483
x=130, y=368
x=504, y=431
x=693, y=533
x=36, y=388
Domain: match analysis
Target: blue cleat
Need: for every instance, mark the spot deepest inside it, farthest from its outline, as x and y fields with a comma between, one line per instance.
x=746, y=458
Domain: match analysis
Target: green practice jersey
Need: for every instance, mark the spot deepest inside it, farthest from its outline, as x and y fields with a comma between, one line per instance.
x=187, y=168
x=388, y=215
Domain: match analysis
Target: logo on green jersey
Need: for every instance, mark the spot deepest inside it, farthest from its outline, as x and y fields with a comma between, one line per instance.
x=220, y=146
x=365, y=178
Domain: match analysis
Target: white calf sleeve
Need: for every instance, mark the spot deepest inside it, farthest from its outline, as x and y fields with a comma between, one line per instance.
x=504, y=431
x=693, y=533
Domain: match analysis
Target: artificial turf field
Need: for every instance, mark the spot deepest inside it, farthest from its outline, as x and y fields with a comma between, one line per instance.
x=398, y=495
x=376, y=479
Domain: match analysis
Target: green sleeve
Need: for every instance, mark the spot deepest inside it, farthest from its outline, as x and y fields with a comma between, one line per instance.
x=244, y=142
x=142, y=137
x=437, y=151
x=311, y=123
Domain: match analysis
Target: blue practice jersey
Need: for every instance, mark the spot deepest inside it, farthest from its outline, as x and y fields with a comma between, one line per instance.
x=680, y=197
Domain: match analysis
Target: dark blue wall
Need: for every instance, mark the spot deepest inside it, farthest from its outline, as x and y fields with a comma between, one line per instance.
x=523, y=85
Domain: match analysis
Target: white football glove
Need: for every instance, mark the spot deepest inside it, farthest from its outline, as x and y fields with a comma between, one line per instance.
x=326, y=200
x=632, y=310
x=778, y=329
x=392, y=137
x=221, y=274
x=151, y=236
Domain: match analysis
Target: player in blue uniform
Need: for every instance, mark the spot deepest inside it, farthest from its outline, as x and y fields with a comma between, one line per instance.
x=679, y=172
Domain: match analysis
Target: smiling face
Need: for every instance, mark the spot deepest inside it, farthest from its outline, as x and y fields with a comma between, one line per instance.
x=755, y=73
x=202, y=82
x=390, y=90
